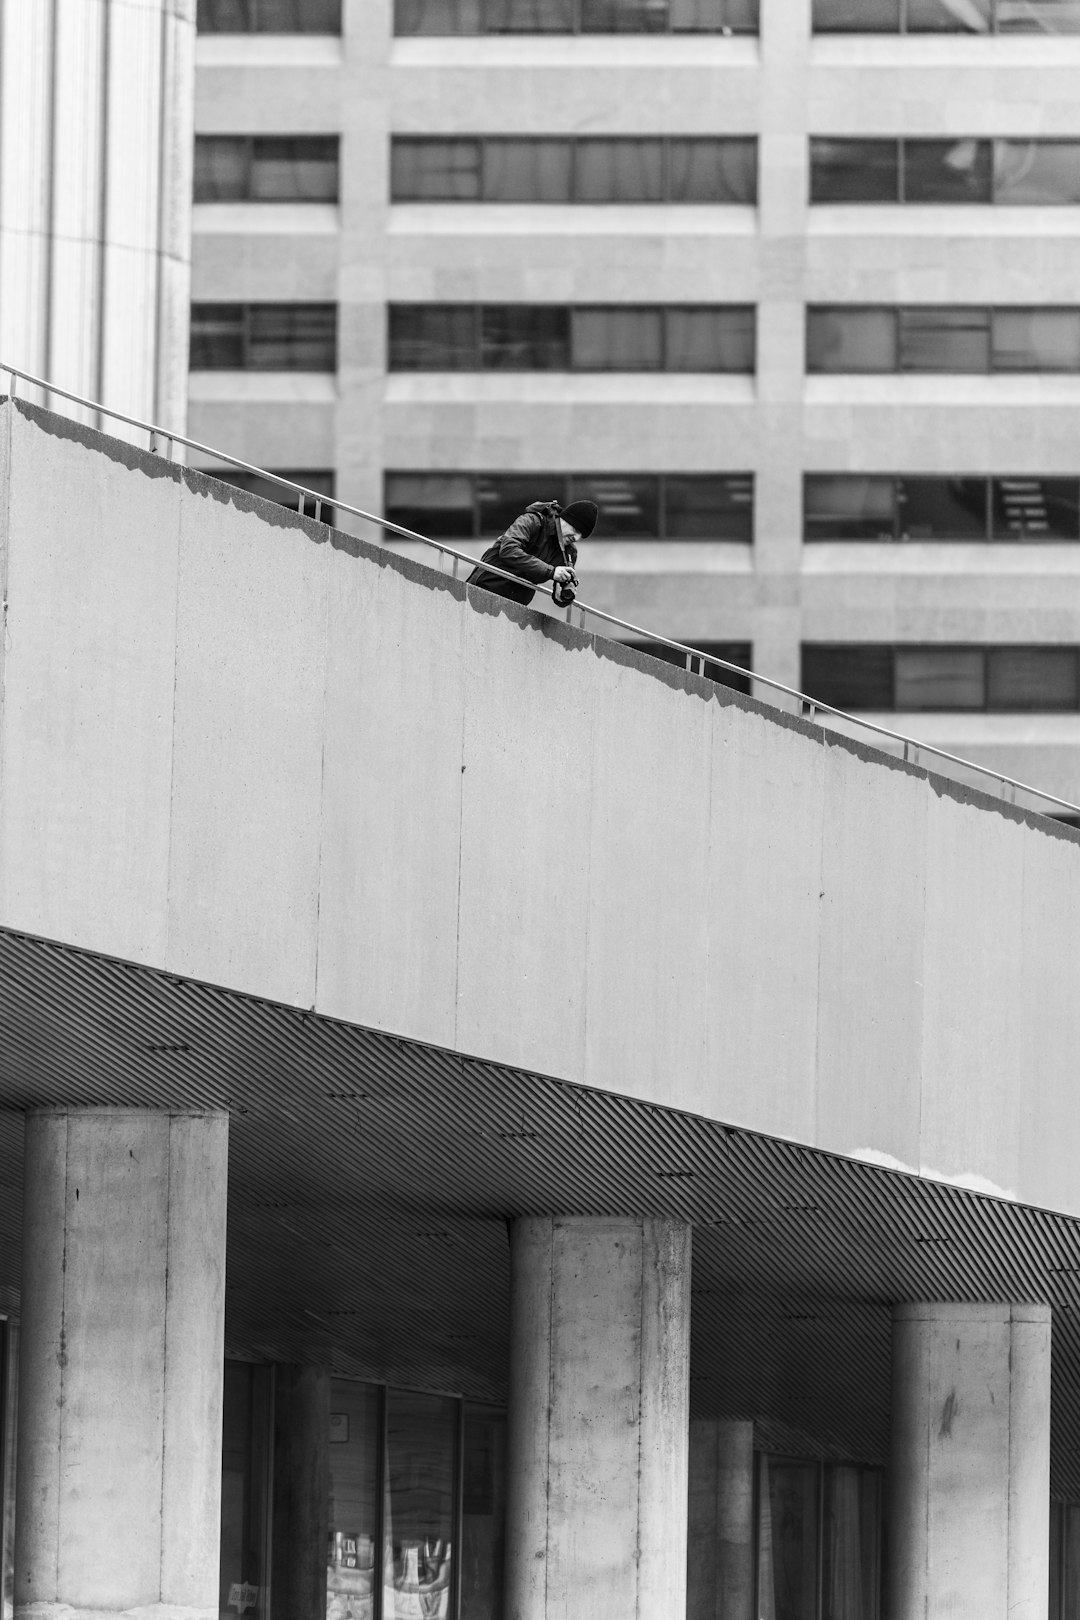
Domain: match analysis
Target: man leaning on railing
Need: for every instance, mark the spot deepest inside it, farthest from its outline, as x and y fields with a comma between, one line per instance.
x=540, y=545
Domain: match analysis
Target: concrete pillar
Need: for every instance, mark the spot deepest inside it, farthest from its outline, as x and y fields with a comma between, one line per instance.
x=720, y=1522
x=598, y=1420
x=119, y=1466
x=301, y=1491
x=969, y=1509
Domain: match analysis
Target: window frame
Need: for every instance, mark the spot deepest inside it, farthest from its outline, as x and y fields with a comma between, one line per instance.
x=248, y=143
x=245, y=333
x=901, y=28
x=991, y=535
x=252, y=11
x=987, y=650
x=902, y=144
x=903, y=365
x=724, y=30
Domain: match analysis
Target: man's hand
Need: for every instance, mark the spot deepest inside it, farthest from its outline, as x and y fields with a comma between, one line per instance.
x=564, y=576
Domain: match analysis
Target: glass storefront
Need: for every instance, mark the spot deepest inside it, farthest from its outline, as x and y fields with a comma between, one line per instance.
x=245, y=1490
x=818, y=1540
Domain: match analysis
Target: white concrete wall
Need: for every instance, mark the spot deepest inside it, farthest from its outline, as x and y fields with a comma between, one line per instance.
x=233, y=749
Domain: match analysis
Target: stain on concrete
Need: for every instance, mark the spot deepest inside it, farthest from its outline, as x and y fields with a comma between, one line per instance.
x=949, y=1412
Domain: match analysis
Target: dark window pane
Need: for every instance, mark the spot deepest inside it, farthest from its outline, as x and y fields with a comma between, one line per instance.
x=437, y=171
x=483, y=1513
x=624, y=16
x=1038, y=17
x=1036, y=340
x=217, y=337
x=247, y=1424
x=1031, y=678
x=712, y=171
x=530, y=16
x=433, y=337
x=1034, y=509
x=949, y=16
x=527, y=171
x=438, y=16
x=848, y=506
x=503, y=498
x=945, y=340
x=629, y=506
x=223, y=16
x=733, y=652
x=619, y=171
x=421, y=1469
x=851, y=1543
x=618, y=340
x=439, y=505
x=856, y=16
x=269, y=490
x=942, y=508
x=849, y=340
x=1037, y=171
x=355, y=1422
x=947, y=171
x=709, y=339
x=523, y=337
x=709, y=507
x=848, y=676
x=302, y=168
x=787, y=1550
x=863, y=171
x=713, y=16
x=940, y=678
x=297, y=16
x=221, y=168
x=292, y=337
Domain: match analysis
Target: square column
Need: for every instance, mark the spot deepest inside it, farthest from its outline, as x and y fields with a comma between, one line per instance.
x=119, y=1457
x=598, y=1421
x=969, y=1517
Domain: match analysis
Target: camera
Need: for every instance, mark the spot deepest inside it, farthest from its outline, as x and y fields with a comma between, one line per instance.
x=562, y=595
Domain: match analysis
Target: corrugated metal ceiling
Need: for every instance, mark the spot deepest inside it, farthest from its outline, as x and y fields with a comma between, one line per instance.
x=371, y=1179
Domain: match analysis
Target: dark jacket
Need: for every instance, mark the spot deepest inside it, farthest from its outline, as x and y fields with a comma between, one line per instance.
x=530, y=548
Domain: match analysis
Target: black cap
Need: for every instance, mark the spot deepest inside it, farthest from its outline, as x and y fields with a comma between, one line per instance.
x=582, y=516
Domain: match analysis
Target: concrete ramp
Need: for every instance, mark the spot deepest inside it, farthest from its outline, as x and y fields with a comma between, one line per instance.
x=241, y=748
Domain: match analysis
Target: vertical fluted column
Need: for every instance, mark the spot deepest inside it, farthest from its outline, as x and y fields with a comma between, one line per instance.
x=96, y=132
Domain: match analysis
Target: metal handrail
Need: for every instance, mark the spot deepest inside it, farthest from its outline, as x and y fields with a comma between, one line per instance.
x=812, y=707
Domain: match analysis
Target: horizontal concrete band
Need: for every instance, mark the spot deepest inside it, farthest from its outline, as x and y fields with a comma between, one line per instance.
x=148, y=1611
x=944, y=1311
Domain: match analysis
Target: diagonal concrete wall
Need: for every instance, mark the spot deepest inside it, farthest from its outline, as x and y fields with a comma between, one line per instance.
x=237, y=748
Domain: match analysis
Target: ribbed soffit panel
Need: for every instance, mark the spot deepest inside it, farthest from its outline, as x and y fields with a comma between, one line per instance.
x=371, y=1179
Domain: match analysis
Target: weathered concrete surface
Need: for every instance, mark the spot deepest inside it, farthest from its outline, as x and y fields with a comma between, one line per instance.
x=119, y=1459
x=969, y=1525
x=598, y=1419
x=238, y=748
x=720, y=1521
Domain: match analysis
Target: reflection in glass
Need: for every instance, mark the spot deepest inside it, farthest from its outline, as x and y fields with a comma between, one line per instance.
x=529, y=16
x=948, y=16
x=438, y=505
x=848, y=506
x=245, y=1478
x=1036, y=171
x=864, y=171
x=1037, y=340
x=1035, y=509
x=851, y=340
x=528, y=171
x=1026, y=678
x=483, y=1513
x=709, y=339
x=443, y=170
x=1038, y=16
x=709, y=507
x=856, y=16
x=947, y=171
x=620, y=171
x=433, y=337
x=940, y=678
x=945, y=339
x=705, y=170
x=421, y=1470
x=942, y=508
x=292, y=337
x=438, y=16
x=787, y=1552
x=852, y=1578
x=613, y=339
x=354, y=1507
x=524, y=337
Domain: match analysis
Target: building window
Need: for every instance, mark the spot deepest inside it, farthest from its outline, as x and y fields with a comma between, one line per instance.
x=732, y=652
x=265, y=168
x=587, y=169
x=269, y=16
x=994, y=679
x=246, y=1452
x=958, y=338
x=555, y=337
x=818, y=1539
x=959, y=170
x=321, y=480
x=576, y=16
x=263, y=337
x=633, y=506
x=417, y=1504
x=946, y=17
x=884, y=507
